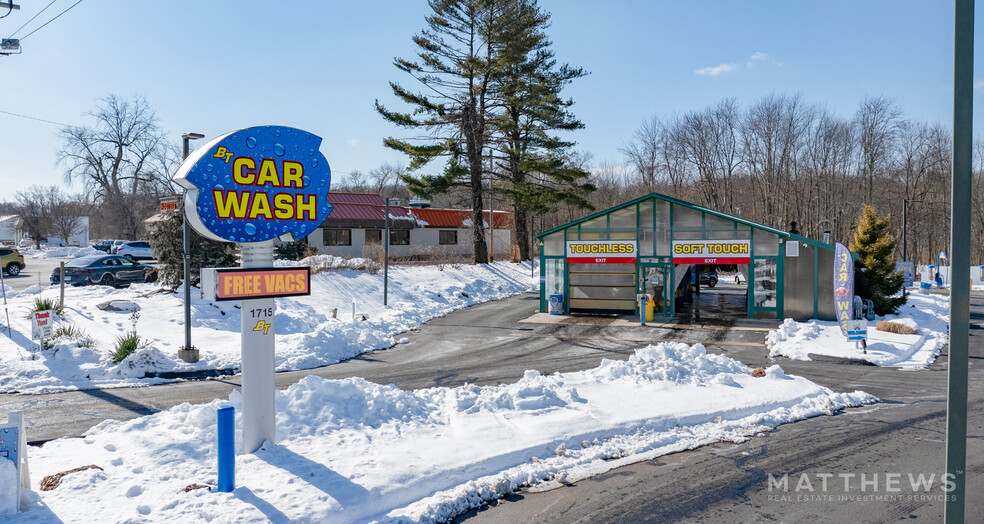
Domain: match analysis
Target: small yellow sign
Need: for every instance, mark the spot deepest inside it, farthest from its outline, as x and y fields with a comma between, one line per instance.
x=263, y=325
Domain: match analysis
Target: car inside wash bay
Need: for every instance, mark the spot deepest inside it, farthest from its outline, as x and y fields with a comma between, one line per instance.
x=667, y=249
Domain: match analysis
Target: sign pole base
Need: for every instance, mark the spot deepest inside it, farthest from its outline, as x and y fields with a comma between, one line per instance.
x=259, y=412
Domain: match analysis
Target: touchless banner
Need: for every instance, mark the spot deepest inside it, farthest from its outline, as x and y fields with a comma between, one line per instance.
x=843, y=287
x=601, y=252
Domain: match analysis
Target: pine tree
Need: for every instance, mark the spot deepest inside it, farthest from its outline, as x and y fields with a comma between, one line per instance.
x=537, y=167
x=459, y=55
x=167, y=243
x=874, y=276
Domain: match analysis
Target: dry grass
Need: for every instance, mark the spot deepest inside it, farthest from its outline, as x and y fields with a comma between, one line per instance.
x=894, y=327
x=52, y=481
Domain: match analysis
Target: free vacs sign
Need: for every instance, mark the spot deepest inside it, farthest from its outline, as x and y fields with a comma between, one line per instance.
x=257, y=184
x=711, y=251
x=601, y=252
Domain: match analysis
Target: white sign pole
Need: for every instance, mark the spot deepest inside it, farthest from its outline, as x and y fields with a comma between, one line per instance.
x=259, y=413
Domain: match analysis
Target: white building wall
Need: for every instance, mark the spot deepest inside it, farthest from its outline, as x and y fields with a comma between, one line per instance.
x=8, y=228
x=79, y=237
x=421, y=241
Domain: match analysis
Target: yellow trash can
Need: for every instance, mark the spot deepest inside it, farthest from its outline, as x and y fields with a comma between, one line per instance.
x=649, y=307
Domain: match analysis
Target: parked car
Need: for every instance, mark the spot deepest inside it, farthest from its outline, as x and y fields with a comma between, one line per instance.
x=11, y=261
x=103, y=245
x=709, y=278
x=107, y=270
x=136, y=250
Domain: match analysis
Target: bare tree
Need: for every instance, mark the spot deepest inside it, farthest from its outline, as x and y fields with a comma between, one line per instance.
x=123, y=159
x=878, y=121
x=35, y=206
x=68, y=214
x=773, y=131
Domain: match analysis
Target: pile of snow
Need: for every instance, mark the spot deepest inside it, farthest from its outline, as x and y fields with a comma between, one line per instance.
x=354, y=451
x=322, y=263
x=928, y=314
x=307, y=335
x=65, y=252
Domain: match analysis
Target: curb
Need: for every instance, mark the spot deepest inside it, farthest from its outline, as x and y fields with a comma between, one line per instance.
x=205, y=373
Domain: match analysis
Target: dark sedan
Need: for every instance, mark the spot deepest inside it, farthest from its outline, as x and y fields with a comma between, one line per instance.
x=107, y=270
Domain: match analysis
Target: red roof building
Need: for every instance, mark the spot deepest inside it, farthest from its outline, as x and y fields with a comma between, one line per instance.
x=358, y=220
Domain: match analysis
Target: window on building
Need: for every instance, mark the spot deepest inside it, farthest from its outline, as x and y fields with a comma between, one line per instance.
x=374, y=236
x=338, y=237
x=448, y=238
x=400, y=237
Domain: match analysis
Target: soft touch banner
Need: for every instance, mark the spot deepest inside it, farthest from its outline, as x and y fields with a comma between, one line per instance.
x=843, y=286
x=711, y=251
x=602, y=252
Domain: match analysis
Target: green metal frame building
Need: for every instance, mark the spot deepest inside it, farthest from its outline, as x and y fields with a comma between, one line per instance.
x=788, y=275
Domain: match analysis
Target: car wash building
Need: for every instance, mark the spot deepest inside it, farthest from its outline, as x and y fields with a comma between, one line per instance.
x=668, y=249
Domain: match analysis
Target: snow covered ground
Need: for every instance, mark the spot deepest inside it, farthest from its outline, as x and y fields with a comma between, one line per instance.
x=928, y=314
x=61, y=252
x=353, y=451
x=307, y=334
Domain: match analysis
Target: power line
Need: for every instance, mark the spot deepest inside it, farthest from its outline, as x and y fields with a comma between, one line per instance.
x=32, y=18
x=34, y=118
x=50, y=21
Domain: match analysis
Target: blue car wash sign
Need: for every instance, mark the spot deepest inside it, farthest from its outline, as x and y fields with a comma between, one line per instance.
x=257, y=184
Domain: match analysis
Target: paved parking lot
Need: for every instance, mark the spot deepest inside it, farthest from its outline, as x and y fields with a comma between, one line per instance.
x=38, y=271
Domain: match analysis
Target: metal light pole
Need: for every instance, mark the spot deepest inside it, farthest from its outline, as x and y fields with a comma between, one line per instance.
x=386, y=251
x=905, y=219
x=960, y=191
x=491, y=213
x=532, y=217
x=187, y=353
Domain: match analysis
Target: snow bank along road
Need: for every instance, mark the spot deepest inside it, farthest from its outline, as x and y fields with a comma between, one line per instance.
x=903, y=434
x=484, y=345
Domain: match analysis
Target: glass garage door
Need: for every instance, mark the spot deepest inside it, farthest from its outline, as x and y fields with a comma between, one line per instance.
x=602, y=288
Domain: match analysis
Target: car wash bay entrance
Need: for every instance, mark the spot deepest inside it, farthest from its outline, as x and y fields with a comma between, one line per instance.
x=659, y=246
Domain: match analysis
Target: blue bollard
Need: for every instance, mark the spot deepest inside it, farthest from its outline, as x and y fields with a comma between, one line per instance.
x=227, y=449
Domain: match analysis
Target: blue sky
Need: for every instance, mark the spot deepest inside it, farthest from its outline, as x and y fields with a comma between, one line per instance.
x=213, y=67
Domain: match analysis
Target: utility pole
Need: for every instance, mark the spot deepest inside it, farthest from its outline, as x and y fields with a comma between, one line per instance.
x=960, y=191
x=491, y=213
x=188, y=352
x=386, y=251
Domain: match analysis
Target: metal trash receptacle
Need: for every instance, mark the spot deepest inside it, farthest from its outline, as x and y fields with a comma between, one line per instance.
x=555, y=304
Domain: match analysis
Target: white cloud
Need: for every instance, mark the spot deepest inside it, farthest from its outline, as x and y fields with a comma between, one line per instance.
x=717, y=70
x=756, y=58
x=352, y=142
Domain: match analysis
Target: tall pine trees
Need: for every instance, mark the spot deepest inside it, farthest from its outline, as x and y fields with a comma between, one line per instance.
x=490, y=103
x=458, y=58
x=537, y=170
x=874, y=276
